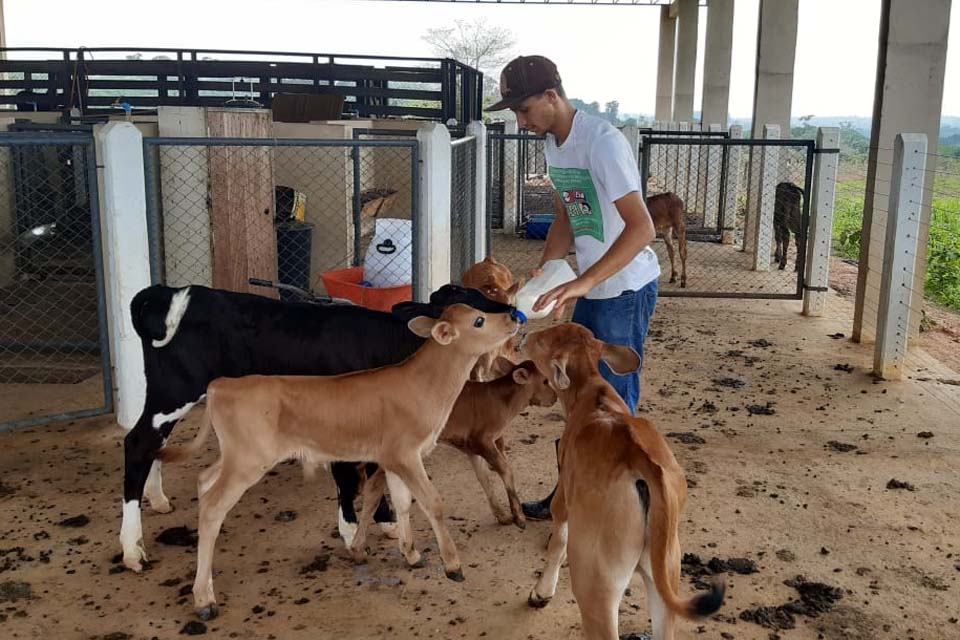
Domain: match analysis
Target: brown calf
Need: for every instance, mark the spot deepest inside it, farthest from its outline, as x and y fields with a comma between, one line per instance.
x=493, y=279
x=475, y=427
x=667, y=210
x=391, y=416
x=618, y=501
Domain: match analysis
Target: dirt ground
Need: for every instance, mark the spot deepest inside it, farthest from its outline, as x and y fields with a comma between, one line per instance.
x=790, y=448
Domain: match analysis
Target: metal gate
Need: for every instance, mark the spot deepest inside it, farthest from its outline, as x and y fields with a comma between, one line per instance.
x=54, y=345
x=739, y=196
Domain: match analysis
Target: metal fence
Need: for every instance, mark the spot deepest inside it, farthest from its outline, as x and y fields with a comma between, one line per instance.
x=334, y=217
x=745, y=213
x=54, y=349
x=463, y=206
x=520, y=198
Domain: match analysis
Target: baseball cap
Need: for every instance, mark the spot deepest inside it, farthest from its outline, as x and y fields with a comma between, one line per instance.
x=524, y=77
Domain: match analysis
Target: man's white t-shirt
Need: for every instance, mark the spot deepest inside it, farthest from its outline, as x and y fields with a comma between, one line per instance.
x=593, y=168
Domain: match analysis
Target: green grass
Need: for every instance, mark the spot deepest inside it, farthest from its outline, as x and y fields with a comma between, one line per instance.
x=942, y=283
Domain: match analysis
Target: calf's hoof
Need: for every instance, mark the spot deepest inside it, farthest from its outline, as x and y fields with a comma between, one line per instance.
x=456, y=576
x=537, y=601
x=520, y=521
x=673, y=279
x=420, y=563
x=208, y=612
x=161, y=506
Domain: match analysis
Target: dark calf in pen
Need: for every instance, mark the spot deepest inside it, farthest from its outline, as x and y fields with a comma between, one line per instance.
x=787, y=219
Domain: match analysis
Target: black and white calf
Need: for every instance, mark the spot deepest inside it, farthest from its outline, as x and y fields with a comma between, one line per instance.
x=193, y=335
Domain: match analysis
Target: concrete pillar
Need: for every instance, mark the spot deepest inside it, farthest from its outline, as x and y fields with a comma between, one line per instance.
x=897, y=296
x=511, y=169
x=728, y=224
x=766, y=190
x=480, y=236
x=128, y=264
x=668, y=47
x=909, y=93
x=432, y=228
x=776, y=49
x=716, y=62
x=821, y=222
x=686, y=60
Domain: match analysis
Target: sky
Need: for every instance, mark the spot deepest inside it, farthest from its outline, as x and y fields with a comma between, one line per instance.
x=603, y=53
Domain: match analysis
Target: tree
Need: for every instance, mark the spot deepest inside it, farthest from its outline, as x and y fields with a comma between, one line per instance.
x=612, y=111
x=483, y=46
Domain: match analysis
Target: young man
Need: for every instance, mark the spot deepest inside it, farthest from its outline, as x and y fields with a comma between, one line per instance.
x=600, y=212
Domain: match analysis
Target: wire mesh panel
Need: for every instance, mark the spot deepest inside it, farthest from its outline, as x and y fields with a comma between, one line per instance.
x=737, y=216
x=54, y=354
x=463, y=205
x=520, y=199
x=327, y=217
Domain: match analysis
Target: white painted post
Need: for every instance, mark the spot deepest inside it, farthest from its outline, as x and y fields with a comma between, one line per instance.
x=433, y=226
x=728, y=234
x=670, y=161
x=657, y=158
x=632, y=133
x=693, y=173
x=127, y=257
x=900, y=255
x=711, y=183
x=763, y=232
x=479, y=131
x=510, y=169
x=821, y=222
x=683, y=164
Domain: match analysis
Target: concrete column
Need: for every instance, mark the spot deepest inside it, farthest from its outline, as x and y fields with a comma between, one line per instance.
x=510, y=169
x=897, y=295
x=776, y=49
x=668, y=47
x=766, y=190
x=686, y=60
x=716, y=62
x=821, y=222
x=728, y=225
x=432, y=229
x=909, y=94
x=480, y=240
x=128, y=264
x=711, y=182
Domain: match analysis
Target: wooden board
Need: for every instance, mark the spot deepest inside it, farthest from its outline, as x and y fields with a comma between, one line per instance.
x=244, y=241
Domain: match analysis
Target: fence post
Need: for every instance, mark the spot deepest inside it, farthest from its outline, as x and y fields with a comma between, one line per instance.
x=480, y=227
x=632, y=133
x=432, y=228
x=731, y=188
x=900, y=255
x=694, y=194
x=670, y=167
x=683, y=165
x=127, y=258
x=766, y=190
x=711, y=180
x=820, y=228
x=511, y=162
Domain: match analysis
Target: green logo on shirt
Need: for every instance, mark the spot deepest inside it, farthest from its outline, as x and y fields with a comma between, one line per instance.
x=579, y=196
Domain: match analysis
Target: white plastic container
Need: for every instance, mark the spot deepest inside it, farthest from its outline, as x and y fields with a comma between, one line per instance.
x=389, y=259
x=555, y=273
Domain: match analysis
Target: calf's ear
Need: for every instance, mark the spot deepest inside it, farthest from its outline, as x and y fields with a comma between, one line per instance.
x=444, y=332
x=621, y=360
x=421, y=326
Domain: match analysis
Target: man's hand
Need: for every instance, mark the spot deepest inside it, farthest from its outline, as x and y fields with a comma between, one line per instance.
x=563, y=294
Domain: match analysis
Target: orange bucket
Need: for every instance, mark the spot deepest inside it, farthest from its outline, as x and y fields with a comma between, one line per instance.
x=345, y=283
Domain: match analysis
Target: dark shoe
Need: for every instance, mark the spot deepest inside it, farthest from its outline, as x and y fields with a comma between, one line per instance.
x=537, y=510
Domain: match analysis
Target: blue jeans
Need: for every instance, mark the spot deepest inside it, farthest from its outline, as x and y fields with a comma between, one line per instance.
x=623, y=320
